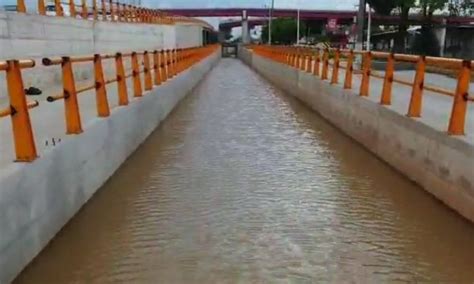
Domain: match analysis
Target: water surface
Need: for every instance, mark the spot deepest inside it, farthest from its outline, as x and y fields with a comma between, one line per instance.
x=243, y=184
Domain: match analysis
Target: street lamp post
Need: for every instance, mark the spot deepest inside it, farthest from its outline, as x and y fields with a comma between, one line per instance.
x=270, y=23
x=298, y=26
x=360, y=25
x=369, y=27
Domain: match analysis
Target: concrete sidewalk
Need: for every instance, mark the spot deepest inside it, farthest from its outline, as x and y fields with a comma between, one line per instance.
x=436, y=108
x=48, y=119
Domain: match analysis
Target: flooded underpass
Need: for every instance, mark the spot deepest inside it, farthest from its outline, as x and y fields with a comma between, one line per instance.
x=244, y=184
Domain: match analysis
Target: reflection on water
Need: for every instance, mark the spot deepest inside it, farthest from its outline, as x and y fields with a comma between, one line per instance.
x=242, y=184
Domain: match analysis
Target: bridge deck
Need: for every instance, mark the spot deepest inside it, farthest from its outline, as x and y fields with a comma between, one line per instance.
x=245, y=184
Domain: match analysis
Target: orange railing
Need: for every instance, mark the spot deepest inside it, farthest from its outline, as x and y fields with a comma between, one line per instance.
x=157, y=66
x=318, y=61
x=104, y=10
x=25, y=148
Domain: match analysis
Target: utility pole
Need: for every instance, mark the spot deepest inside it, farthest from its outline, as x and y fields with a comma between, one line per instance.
x=270, y=23
x=298, y=26
x=360, y=25
x=369, y=27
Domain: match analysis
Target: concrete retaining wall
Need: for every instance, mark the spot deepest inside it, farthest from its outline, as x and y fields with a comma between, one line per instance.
x=34, y=37
x=441, y=164
x=38, y=199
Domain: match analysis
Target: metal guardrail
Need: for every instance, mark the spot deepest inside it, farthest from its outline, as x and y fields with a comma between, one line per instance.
x=105, y=10
x=317, y=61
x=25, y=148
x=166, y=64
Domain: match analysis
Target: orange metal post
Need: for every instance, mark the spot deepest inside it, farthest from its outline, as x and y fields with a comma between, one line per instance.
x=296, y=59
x=25, y=148
x=156, y=67
x=73, y=117
x=41, y=8
x=174, y=58
x=177, y=69
x=308, y=62
x=349, y=70
x=414, y=109
x=104, y=11
x=137, y=85
x=102, y=102
x=163, y=74
x=133, y=14
x=139, y=14
x=289, y=57
x=118, y=12
x=130, y=13
x=121, y=80
x=84, y=9
x=365, y=84
x=147, y=70
x=169, y=61
x=317, y=61
x=58, y=8
x=293, y=57
x=142, y=15
x=177, y=61
x=126, y=13
x=335, y=68
x=324, y=74
x=146, y=15
x=72, y=8
x=123, y=12
x=112, y=10
x=164, y=58
x=94, y=9
x=20, y=6
x=301, y=60
x=149, y=16
x=386, y=98
x=458, y=112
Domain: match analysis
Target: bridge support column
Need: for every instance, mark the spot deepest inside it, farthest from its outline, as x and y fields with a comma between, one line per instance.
x=245, y=28
x=221, y=36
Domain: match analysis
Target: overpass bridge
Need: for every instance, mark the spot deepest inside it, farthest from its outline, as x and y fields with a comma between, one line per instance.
x=342, y=17
x=160, y=161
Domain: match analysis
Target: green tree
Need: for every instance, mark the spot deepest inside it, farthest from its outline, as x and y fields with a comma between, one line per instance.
x=283, y=31
x=461, y=7
x=403, y=7
x=383, y=7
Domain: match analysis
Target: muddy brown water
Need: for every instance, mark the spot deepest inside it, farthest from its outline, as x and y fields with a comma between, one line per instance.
x=244, y=184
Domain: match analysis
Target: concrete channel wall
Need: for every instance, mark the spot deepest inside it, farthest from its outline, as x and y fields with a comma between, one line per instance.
x=38, y=199
x=24, y=36
x=443, y=165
